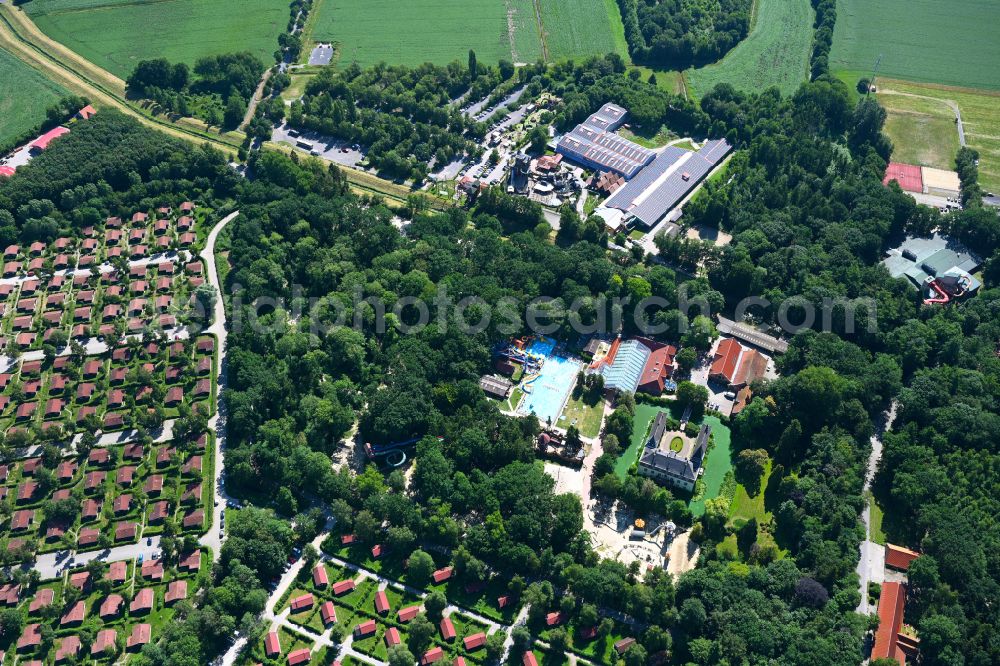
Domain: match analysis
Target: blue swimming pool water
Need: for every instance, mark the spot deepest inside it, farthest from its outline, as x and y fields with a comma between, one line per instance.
x=549, y=391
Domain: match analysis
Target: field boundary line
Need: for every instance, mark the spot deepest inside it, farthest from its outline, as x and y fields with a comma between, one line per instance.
x=541, y=30
x=26, y=48
x=754, y=14
x=30, y=33
x=941, y=86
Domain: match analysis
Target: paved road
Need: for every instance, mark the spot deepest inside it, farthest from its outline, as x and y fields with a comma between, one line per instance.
x=871, y=564
x=51, y=565
x=213, y=538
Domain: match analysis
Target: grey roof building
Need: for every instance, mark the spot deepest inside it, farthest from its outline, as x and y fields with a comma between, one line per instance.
x=658, y=188
x=497, y=387
x=664, y=466
x=594, y=144
x=920, y=259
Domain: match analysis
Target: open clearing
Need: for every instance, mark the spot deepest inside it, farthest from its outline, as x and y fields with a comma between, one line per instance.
x=116, y=34
x=920, y=40
x=440, y=31
x=776, y=53
x=922, y=130
x=979, y=116
x=24, y=96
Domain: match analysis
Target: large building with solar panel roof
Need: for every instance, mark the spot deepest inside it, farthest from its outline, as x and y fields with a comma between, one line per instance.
x=658, y=188
x=594, y=144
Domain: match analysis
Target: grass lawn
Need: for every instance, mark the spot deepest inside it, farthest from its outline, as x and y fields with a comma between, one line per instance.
x=24, y=96
x=776, y=53
x=745, y=507
x=668, y=80
x=650, y=139
x=922, y=130
x=920, y=40
x=877, y=535
x=676, y=444
x=586, y=417
x=514, y=398
x=116, y=34
x=979, y=117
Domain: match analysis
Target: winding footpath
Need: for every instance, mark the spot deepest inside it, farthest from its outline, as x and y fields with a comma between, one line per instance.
x=871, y=565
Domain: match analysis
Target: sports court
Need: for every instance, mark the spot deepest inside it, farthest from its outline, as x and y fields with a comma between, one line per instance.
x=908, y=176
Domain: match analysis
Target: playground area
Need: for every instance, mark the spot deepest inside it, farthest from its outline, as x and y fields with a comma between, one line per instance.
x=618, y=534
x=547, y=380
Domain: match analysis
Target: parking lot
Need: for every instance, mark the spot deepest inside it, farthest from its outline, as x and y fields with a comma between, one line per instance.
x=334, y=150
x=322, y=54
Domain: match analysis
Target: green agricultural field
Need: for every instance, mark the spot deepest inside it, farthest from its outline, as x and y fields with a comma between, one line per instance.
x=440, y=31
x=581, y=28
x=922, y=130
x=776, y=53
x=116, y=34
x=920, y=40
x=979, y=116
x=24, y=96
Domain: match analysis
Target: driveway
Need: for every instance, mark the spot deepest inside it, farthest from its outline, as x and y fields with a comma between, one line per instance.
x=50, y=565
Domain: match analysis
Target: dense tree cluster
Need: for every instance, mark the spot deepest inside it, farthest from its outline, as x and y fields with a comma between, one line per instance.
x=402, y=116
x=677, y=34
x=826, y=18
x=231, y=78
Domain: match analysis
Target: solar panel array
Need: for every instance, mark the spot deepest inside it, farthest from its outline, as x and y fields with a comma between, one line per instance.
x=594, y=144
x=650, y=196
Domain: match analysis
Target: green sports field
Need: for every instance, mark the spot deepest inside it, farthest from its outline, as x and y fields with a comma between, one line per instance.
x=952, y=43
x=776, y=53
x=440, y=31
x=979, y=116
x=24, y=96
x=922, y=130
x=116, y=34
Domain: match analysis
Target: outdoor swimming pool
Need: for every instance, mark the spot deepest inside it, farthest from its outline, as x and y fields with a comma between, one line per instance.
x=545, y=395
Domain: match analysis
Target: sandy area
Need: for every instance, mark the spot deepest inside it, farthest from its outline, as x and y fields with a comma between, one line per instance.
x=702, y=232
x=683, y=555
x=568, y=480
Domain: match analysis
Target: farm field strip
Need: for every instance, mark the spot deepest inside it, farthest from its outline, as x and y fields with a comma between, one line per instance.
x=776, y=53
x=440, y=31
x=116, y=35
x=369, y=31
x=24, y=40
x=579, y=29
x=25, y=93
x=920, y=40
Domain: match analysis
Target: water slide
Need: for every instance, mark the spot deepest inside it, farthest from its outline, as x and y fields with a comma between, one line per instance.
x=943, y=297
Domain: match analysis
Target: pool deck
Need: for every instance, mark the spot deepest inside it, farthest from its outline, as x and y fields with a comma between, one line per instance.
x=557, y=375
